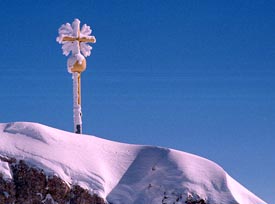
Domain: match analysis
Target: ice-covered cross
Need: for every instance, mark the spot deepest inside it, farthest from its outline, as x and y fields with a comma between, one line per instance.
x=75, y=40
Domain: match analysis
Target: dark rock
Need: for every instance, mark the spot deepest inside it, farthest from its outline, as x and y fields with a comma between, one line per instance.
x=31, y=186
x=29, y=183
x=58, y=189
x=191, y=200
x=7, y=191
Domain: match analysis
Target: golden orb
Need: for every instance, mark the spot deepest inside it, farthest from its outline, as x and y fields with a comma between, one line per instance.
x=79, y=67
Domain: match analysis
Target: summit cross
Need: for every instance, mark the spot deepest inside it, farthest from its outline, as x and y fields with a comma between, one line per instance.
x=74, y=40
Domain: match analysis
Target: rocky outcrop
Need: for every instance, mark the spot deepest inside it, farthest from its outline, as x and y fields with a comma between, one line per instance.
x=31, y=186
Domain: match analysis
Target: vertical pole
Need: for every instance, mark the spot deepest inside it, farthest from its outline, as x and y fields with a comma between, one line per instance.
x=77, y=103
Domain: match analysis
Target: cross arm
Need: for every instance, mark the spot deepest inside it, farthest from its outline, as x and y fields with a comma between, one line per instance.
x=67, y=38
x=90, y=39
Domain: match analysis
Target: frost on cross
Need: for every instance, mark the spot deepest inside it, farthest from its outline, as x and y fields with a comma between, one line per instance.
x=75, y=41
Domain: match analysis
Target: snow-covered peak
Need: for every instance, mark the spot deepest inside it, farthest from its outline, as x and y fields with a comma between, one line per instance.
x=121, y=173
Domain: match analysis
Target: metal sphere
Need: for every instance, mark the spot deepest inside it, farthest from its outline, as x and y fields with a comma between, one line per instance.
x=79, y=67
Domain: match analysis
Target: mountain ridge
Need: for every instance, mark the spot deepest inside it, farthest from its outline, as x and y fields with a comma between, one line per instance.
x=120, y=173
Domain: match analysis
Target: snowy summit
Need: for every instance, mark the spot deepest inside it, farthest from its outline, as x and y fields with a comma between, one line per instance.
x=120, y=173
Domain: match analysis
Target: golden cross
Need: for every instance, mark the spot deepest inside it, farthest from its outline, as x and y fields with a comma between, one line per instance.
x=78, y=67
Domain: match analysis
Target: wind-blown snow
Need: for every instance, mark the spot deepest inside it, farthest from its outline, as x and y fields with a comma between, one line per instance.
x=121, y=173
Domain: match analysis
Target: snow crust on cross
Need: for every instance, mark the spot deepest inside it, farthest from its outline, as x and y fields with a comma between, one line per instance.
x=75, y=41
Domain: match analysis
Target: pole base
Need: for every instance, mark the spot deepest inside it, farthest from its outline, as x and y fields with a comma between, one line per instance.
x=78, y=129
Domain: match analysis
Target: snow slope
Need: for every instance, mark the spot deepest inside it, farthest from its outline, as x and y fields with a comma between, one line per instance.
x=121, y=173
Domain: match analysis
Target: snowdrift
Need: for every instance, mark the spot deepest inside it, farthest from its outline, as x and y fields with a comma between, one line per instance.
x=120, y=173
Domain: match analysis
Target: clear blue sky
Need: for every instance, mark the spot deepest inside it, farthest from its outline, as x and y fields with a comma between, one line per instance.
x=198, y=76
